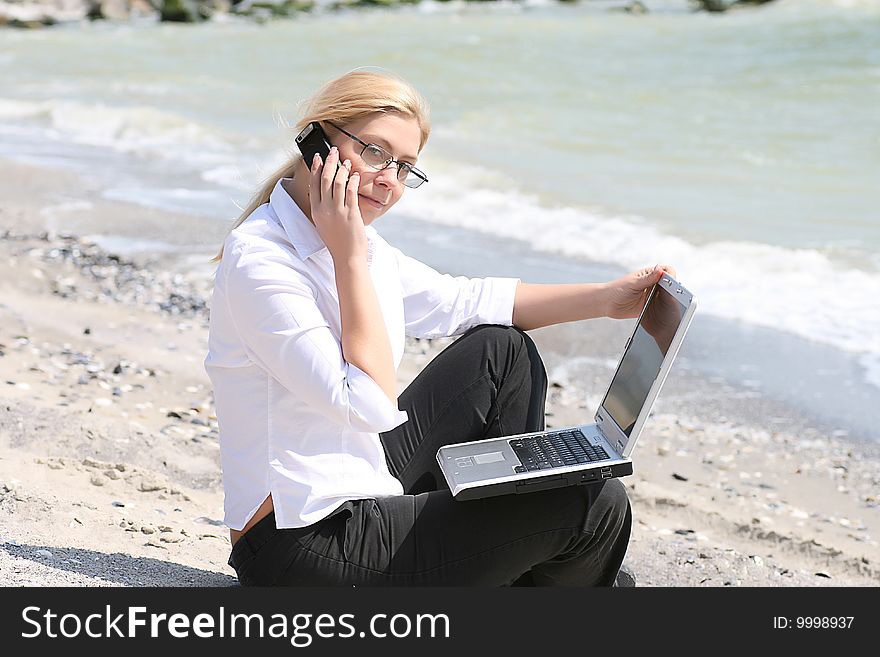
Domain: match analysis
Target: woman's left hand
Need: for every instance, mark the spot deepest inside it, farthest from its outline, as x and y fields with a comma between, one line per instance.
x=626, y=296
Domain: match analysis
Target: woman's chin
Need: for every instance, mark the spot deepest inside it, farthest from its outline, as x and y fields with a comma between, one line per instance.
x=370, y=214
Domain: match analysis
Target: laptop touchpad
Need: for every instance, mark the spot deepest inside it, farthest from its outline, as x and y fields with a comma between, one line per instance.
x=489, y=457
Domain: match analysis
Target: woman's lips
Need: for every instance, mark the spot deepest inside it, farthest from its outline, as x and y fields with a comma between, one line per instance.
x=372, y=202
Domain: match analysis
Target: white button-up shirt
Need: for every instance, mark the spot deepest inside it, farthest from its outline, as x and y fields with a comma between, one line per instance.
x=296, y=420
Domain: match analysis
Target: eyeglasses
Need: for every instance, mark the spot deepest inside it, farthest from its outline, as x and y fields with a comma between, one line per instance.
x=378, y=158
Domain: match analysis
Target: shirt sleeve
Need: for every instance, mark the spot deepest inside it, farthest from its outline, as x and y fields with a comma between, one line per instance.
x=440, y=305
x=285, y=333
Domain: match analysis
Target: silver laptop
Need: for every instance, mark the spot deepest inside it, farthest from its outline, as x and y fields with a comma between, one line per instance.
x=589, y=452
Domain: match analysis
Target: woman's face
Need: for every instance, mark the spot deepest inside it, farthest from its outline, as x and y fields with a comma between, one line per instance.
x=400, y=136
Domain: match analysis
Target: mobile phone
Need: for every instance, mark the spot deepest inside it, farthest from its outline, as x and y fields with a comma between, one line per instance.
x=313, y=140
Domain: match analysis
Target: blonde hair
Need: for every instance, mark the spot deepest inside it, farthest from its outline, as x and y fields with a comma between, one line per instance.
x=342, y=100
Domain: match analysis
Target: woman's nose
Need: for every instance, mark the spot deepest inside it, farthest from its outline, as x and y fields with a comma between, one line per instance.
x=388, y=175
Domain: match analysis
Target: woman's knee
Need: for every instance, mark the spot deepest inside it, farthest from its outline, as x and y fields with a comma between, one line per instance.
x=610, y=508
x=510, y=343
x=497, y=334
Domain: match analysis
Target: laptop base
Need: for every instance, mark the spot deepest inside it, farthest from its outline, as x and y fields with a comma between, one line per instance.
x=555, y=480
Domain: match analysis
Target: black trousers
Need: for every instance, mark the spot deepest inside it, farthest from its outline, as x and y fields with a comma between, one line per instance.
x=490, y=382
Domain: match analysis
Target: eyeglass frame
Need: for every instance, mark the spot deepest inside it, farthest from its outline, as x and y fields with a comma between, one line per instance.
x=400, y=165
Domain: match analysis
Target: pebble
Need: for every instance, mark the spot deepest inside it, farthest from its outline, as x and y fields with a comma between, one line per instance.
x=109, y=277
x=45, y=554
x=96, y=480
x=172, y=430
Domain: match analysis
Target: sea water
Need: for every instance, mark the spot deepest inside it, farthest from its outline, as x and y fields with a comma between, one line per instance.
x=569, y=143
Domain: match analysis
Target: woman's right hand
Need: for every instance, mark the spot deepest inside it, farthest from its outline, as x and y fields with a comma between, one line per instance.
x=335, y=211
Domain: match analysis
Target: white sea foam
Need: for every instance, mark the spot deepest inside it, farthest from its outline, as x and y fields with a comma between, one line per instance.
x=800, y=291
x=871, y=363
x=228, y=175
x=850, y=4
x=19, y=109
x=142, y=131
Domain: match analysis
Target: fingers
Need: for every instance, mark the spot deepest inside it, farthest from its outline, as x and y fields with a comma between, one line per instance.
x=315, y=170
x=330, y=178
x=668, y=269
x=339, y=185
x=656, y=272
x=351, y=190
x=331, y=165
x=649, y=276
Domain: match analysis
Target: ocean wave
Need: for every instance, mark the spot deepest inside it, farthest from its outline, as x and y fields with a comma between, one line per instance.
x=871, y=6
x=853, y=4
x=229, y=175
x=800, y=291
x=136, y=130
x=871, y=363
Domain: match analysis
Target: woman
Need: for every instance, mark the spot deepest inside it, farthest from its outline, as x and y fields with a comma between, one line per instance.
x=329, y=476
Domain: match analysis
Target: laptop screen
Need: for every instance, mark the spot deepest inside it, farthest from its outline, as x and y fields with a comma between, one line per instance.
x=641, y=363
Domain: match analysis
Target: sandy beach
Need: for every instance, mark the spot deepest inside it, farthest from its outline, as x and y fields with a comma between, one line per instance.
x=109, y=458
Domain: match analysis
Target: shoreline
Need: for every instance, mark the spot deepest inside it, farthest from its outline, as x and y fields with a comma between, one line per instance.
x=41, y=14
x=109, y=468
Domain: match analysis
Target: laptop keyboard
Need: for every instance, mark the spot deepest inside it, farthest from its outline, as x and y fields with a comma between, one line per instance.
x=555, y=450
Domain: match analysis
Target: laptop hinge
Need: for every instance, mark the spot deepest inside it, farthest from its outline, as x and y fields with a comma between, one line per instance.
x=617, y=443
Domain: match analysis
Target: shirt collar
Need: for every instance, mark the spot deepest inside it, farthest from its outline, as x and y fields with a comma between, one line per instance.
x=300, y=231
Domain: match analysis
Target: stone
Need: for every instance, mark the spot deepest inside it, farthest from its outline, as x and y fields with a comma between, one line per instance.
x=115, y=10
x=148, y=486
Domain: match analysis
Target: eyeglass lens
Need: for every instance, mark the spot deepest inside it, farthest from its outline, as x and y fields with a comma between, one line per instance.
x=378, y=157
